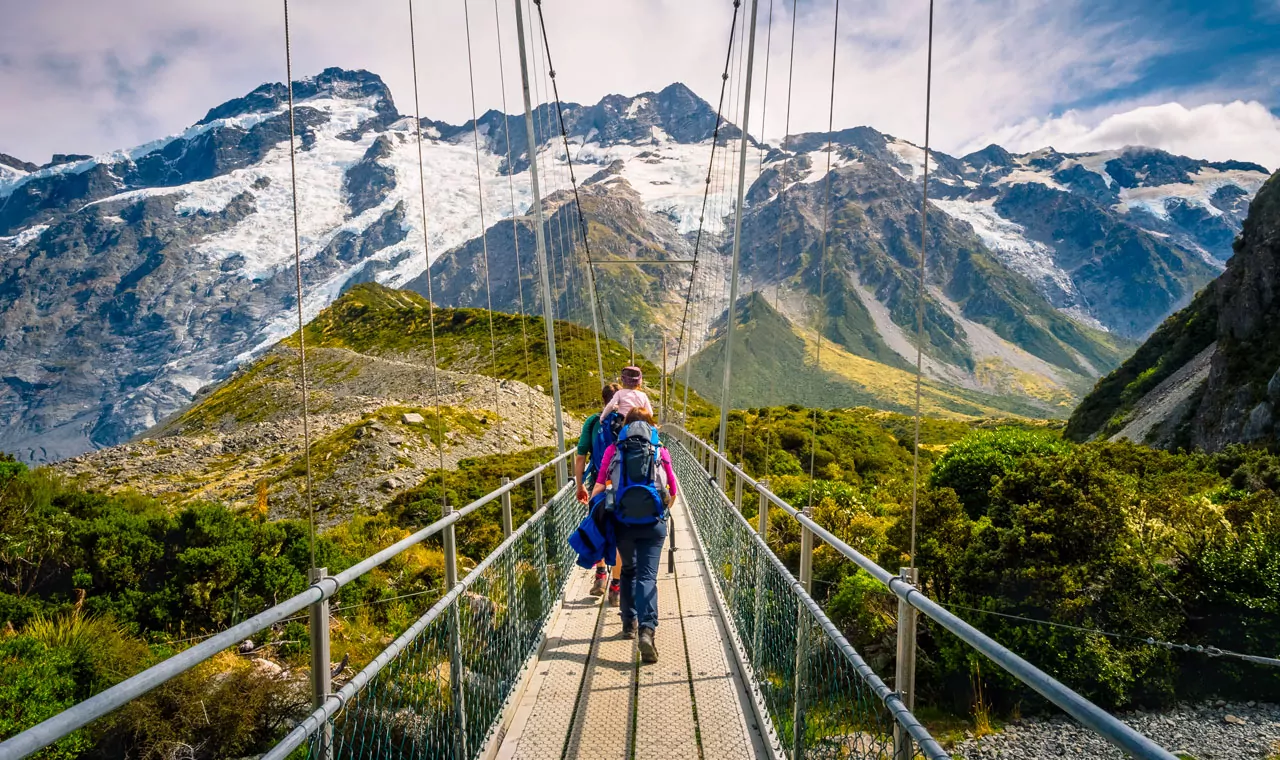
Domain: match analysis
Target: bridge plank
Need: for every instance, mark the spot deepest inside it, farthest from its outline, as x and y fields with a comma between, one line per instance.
x=726, y=724
x=543, y=718
x=664, y=712
x=602, y=727
x=590, y=699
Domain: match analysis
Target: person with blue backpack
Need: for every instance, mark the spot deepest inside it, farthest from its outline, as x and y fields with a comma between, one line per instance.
x=639, y=487
x=596, y=436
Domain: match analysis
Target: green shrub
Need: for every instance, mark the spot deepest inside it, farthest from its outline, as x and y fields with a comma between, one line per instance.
x=971, y=466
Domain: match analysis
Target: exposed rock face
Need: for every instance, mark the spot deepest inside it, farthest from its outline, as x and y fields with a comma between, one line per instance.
x=1235, y=406
x=1235, y=400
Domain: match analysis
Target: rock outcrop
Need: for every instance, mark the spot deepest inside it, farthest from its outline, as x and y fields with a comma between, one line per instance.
x=1231, y=327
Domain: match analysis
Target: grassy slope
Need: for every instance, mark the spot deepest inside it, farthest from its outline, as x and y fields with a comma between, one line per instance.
x=377, y=320
x=773, y=364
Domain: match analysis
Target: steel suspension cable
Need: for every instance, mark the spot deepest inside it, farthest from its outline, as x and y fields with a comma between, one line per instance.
x=297, y=270
x=764, y=107
x=782, y=188
x=540, y=126
x=556, y=169
x=597, y=312
x=739, y=99
x=515, y=225
x=826, y=238
x=924, y=227
x=702, y=215
x=484, y=230
x=426, y=253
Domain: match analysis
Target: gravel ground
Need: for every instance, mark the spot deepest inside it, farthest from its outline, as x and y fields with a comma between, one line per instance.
x=1209, y=731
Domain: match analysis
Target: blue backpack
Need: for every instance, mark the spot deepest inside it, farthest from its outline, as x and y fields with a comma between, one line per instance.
x=639, y=495
x=605, y=436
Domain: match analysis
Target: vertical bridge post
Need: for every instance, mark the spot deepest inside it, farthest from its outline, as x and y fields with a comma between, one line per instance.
x=507, y=526
x=513, y=595
x=548, y=316
x=726, y=397
x=456, y=687
x=905, y=670
x=762, y=528
x=802, y=642
x=321, y=679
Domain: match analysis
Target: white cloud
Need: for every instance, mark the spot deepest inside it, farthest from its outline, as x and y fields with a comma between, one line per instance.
x=1239, y=130
x=85, y=77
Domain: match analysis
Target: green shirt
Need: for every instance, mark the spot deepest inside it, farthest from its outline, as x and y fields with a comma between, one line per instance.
x=588, y=435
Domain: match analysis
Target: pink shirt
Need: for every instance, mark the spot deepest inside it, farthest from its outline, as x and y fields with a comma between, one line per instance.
x=664, y=455
x=626, y=399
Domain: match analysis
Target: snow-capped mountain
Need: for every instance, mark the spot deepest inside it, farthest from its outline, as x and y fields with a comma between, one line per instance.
x=131, y=279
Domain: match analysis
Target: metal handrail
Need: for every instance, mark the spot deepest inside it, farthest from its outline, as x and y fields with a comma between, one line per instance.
x=77, y=716
x=891, y=699
x=1109, y=727
x=335, y=702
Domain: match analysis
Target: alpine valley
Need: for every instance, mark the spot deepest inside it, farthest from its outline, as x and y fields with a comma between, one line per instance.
x=131, y=280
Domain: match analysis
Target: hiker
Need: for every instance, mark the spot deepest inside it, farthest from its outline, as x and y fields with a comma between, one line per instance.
x=592, y=442
x=641, y=487
x=631, y=396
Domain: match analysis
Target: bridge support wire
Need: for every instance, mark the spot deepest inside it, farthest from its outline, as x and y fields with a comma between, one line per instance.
x=726, y=397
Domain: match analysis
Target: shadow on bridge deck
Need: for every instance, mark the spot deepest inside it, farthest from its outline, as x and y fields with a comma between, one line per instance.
x=589, y=696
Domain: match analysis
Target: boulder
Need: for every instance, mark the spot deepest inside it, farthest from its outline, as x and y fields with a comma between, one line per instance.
x=411, y=418
x=267, y=668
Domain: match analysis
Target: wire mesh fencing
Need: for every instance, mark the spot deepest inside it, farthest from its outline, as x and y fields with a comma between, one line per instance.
x=808, y=678
x=444, y=692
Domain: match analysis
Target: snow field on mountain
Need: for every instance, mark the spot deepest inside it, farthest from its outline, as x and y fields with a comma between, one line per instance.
x=452, y=210
x=1204, y=184
x=26, y=236
x=671, y=179
x=912, y=155
x=1032, y=259
x=11, y=178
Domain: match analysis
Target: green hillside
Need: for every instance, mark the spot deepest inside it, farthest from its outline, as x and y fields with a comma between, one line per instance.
x=774, y=363
x=373, y=319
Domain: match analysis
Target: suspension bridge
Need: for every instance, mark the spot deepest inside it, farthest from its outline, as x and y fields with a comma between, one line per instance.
x=517, y=660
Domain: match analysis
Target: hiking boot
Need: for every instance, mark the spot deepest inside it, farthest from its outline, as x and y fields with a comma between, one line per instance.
x=628, y=629
x=597, y=586
x=648, y=652
x=615, y=592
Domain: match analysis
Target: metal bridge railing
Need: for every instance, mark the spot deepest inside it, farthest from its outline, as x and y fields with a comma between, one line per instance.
x=819, y=695
x=440, y=687
x=694, y=451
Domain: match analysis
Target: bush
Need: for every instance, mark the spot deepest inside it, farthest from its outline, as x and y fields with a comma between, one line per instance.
x=971, y=466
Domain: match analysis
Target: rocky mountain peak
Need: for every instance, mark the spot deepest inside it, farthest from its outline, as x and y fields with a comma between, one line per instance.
x=16, y=163
x=332, y=82
x=990, y=157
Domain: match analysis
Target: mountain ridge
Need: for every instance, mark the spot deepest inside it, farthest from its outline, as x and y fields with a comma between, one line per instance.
x=135, y=277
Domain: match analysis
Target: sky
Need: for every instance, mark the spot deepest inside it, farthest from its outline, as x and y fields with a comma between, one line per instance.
x=1196, y=78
